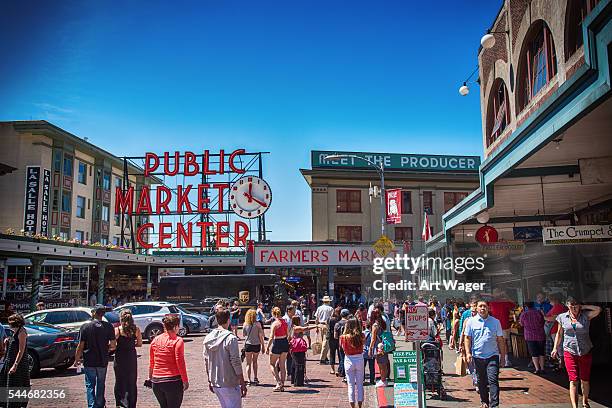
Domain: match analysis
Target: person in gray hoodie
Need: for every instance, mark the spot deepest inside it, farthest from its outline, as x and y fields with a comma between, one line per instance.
x=223, y=364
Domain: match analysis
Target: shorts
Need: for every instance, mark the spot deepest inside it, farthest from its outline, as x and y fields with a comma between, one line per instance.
x=280, y=346
x=578, y=367
x=536, y=348
x=382, y=358
x=252, y=348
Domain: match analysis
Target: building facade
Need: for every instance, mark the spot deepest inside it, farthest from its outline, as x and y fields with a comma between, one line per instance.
x=80, y=204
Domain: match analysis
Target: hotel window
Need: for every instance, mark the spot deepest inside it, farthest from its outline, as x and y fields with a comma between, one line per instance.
x=348, y=201
x=538, y=63
x=117, y=219
x=403, y=234
x=80, y=204
x=57, y=160
x=118, y=182
x=79, y=235
x=66, y=204
x=106, y=181
x=406, y=202
x=428, y=202
x=451, y=199
x=55, y=203
x=82, y=173
x=67, y=165
x=105, y=213
x=349, y=233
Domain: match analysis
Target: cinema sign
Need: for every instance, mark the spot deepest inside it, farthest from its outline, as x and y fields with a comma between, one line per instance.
x=316, y=255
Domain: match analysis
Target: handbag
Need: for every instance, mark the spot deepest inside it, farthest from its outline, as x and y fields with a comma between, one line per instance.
x=243, y=351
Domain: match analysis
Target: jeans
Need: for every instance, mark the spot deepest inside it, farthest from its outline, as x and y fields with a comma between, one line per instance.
x=95, y=381
x=229, y=397
x=371, y=369
x=487, y=371
x=169, y=394
x=355, y=372
x=341, y=362
x=333, y=351
x=289, y=366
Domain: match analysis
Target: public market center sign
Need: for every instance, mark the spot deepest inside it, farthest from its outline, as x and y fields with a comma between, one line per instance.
x=396, y=161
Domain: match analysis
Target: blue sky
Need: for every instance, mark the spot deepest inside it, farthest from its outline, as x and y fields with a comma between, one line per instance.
x=281, y=76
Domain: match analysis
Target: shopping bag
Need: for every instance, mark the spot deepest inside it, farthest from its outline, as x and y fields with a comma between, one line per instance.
x=317, y=347
x=460, y=366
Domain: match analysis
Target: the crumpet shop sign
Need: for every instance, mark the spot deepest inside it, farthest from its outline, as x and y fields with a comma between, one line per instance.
x=577, y=234
x=395, y=161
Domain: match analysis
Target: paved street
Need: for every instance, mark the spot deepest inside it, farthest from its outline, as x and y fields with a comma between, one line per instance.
x=324, y=390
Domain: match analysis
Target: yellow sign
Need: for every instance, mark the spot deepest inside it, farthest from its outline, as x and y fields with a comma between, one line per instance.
x=383, y=246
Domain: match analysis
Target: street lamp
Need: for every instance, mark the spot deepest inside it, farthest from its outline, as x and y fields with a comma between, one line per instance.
x=381, y=171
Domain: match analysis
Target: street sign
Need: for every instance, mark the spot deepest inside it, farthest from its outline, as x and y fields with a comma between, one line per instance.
x=383, y=246
x=417, y=323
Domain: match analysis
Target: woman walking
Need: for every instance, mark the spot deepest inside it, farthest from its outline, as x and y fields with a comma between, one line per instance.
x=375, y=350
x=574, y=333
x=352, y=342
x=15, y=372
x=128, y=337
x=278, y=347
x=254, y=339
x=167, y=371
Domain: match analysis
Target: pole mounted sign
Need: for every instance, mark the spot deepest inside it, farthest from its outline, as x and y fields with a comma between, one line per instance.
x=417, y=323
x=396, y=161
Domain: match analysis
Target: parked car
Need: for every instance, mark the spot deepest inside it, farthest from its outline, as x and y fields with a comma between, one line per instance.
x=48, y=346
x=71, y=318
x=148, y=317
x=193, y=322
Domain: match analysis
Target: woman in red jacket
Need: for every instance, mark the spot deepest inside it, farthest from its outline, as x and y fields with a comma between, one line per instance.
x=167, y=371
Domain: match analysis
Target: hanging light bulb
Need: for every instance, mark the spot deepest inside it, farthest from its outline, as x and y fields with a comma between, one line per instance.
x=464, y=90
x=487, y=41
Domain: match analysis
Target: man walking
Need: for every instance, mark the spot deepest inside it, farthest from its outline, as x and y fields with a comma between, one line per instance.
x=339, y=331
x=97, y=338
x=223, y=364
x=322, y=316
x=486, y=347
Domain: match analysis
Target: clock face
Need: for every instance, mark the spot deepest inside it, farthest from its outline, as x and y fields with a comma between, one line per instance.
x=250, y=197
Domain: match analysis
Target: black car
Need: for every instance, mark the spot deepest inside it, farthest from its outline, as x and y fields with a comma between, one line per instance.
x=49, y=346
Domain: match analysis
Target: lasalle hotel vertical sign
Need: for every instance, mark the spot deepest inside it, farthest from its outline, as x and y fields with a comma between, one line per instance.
x=33, y=188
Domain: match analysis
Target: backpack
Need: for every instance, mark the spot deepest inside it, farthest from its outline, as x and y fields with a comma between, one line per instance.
x=388, y=341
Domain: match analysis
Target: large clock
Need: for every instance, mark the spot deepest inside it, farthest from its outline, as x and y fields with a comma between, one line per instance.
x=250, y=197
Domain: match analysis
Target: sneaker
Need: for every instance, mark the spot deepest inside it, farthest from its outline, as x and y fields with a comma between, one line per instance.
x=380, y=383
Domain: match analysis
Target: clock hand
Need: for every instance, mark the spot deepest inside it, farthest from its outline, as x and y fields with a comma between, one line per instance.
x=250, y=197
x=251, y=192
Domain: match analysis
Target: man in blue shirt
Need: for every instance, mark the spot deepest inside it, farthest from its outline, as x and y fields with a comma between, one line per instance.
x=485, y=347
x=542, y=303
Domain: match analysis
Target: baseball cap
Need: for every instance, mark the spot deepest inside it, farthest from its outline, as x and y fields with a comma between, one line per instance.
x=345, y=313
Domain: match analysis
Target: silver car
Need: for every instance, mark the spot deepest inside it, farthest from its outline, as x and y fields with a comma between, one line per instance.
x=148, y=317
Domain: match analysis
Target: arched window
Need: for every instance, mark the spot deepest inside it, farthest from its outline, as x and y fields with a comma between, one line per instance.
x=576, y=12
x=538, y=63
x=498, y=111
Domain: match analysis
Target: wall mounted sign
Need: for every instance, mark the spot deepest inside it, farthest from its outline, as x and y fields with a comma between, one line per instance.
x=527, y=233
x=486, y=235
x=394, y=206
x=44, y=211
x=30, y=209
x=316, y=255
x=397, y=161
x=577, y=234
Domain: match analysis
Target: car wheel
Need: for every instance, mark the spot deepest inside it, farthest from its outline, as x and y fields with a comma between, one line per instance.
x=153, y=331
x=33, y=363
x=183, y=331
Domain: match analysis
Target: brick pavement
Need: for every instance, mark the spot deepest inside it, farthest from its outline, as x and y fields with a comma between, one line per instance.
x=324, y=390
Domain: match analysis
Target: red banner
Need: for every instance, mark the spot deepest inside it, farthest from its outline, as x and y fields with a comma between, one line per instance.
x=394, y=206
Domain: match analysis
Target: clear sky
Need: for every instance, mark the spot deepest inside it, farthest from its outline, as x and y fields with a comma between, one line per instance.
x=286, y=77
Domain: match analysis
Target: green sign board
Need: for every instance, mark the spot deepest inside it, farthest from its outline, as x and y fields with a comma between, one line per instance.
x=405, y=366
x=395, y=161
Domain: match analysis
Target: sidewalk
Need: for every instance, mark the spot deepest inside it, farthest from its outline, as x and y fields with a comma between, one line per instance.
x=518, y=388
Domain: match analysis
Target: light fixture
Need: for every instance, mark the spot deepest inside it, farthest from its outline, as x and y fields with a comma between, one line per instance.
x=488, y=40
x=464, y=90
x=557, y=143
x=483, y=217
